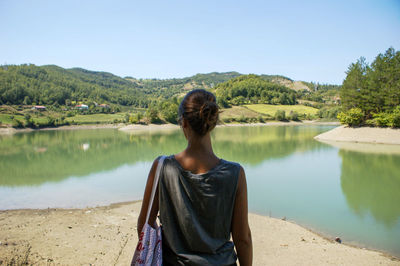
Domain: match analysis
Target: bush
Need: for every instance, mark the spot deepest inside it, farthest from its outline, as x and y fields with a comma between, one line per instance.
x=242, y=119
x=71, y=114
x=386, y=119
x=226, y=120
x=370, y=123
x=239, y=100
x=169, y=112
x=28, y=121
x=293, y=115
x=51, y=121
x=17, y=123
x=396, y=117
x=280, y=115
x=382, y=119
x=127, y=117
x=353, y=117
x=252, y=120
x=152, y=116
x=27, y=116
x=261, y=119
x=329, y=112
x=311, y=117
x=135, y=119
x=222, y=103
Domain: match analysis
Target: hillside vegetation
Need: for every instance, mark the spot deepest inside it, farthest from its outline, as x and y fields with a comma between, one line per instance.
x=253, y=89
x=112, y=99
x=53, y=85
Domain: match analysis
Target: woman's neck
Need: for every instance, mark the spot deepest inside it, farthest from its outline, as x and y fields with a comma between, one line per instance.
x=200, y=145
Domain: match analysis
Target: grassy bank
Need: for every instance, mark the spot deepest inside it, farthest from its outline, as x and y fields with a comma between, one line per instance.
x=270, y=110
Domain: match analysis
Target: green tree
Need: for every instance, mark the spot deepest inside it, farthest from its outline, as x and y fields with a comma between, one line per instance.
x=27, y=100
x=374, y=89
x=152, y=115
x=354, y=88
x=169, y=111
x=280, y=115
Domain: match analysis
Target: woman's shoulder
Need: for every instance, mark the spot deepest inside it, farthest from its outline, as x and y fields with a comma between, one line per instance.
x=168, y=161
x=234, y=167
x=231, y=163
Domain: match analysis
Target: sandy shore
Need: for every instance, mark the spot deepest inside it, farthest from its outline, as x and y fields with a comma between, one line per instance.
x=362, y=135
x=377, y=148
x=149, y=128
x=153, y=127
x=107, y=236
x=166, y=127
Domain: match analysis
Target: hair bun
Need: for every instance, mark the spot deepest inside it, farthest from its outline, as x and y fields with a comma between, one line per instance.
x=208, y=114
x=200, y=109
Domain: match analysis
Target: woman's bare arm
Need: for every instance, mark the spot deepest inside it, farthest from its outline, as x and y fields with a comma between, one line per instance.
x=146, y=200
x=241, y=233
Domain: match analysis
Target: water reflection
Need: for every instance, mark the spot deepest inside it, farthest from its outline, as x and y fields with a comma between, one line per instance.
x=371, y=184
x=38, y=157
x=51, y=156
x=253, y=145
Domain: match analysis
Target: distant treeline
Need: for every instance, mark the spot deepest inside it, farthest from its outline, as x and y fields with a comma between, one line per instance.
x=253, y=89
x=370, y=94
x=53, y=85
x=320, y=92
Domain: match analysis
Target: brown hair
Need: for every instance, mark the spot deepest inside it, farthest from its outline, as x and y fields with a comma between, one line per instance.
x=200, y=109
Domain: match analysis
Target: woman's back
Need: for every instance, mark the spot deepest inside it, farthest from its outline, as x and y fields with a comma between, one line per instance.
x=196, y=213
x=200, y=212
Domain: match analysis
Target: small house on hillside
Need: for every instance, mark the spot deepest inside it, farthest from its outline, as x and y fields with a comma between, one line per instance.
x=39, y=107
x=81, y=107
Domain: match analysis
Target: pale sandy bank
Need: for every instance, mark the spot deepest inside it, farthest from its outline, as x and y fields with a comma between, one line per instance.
x=362, y=134
x=149, y=128
x=107, y=236
x=168, y=127
x=154, y=127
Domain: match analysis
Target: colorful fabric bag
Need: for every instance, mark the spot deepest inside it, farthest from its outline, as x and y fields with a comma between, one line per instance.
x=148, y=250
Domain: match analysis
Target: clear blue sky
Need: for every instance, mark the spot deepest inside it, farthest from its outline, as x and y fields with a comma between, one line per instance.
x=304, y=40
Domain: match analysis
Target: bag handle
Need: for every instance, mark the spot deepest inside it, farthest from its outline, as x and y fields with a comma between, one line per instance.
x=153, y=190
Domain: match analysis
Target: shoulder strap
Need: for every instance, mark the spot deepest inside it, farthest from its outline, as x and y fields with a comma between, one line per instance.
x=153, y=190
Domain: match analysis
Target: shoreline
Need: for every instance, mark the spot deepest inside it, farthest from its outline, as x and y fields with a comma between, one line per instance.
x=11, y=130
x=371, y=135
x=106, y=235
x=153, y=127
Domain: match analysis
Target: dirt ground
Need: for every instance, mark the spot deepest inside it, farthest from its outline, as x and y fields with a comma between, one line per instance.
x=107, y=236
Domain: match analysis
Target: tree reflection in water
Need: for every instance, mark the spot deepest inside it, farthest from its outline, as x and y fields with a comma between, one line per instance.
x=38, y=157
x=371, y=183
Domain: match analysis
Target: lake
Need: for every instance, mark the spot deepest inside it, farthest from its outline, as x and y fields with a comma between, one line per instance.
x=338, y=192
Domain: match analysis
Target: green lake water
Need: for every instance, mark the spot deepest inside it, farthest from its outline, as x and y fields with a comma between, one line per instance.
x=338, y=192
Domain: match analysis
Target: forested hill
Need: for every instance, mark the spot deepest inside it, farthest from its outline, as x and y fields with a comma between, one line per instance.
x=54, y=85
x=30, y=84
x=253, y=89
x=178, y=86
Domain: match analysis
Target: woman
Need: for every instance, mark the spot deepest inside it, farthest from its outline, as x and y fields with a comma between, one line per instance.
x=202, y=199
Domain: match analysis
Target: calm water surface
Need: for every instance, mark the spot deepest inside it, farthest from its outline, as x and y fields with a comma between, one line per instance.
x=339, y=192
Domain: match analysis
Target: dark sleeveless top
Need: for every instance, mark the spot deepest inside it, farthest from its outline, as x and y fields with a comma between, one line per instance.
x=196, y=213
